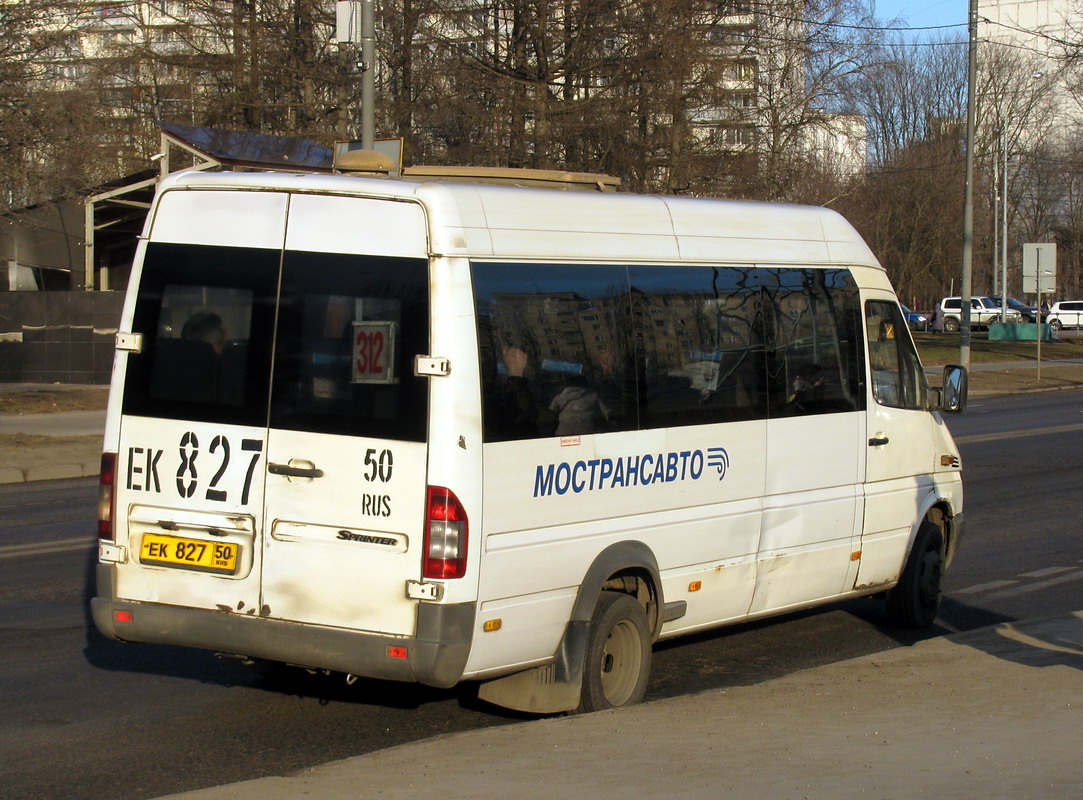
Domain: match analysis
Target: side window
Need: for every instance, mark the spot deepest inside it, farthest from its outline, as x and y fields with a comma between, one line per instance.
x=206, y=316
x=698, y=336
x=348, y=329
x=815, y=361
x=554, y=350
x=897, y=377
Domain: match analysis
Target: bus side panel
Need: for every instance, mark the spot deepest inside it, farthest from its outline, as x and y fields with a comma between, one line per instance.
x=549, y=512
x=811, y=514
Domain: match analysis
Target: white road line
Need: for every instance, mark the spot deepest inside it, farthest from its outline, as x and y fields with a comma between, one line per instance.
x=1044, y=573
x=1037, y=587
x=985, y=587
x=38, y=548
x=1001, y=435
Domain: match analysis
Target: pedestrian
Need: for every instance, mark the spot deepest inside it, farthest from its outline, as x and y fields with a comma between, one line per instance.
x=938, y=319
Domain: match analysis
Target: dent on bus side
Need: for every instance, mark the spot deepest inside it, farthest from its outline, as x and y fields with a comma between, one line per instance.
x=951, y=396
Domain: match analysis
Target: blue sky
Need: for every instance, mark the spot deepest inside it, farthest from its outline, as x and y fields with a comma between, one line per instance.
x=925, y=13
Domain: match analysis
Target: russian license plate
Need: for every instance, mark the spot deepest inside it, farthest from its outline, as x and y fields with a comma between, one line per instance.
x=173, y=551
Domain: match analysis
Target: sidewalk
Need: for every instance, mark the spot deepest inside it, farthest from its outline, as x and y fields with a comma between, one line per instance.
x=68, y=458
x=992, y=713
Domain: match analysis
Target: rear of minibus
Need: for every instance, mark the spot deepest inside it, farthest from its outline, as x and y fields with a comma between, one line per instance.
x=264, y=486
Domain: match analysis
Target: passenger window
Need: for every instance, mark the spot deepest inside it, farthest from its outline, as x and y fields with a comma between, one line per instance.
x=205, y=314
x=554, y=351
x=815, y=358
x=897, y=378
x=699, y=344
x=348, y=329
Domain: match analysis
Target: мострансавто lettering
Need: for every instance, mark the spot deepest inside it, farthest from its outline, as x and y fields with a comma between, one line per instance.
x=641, y=470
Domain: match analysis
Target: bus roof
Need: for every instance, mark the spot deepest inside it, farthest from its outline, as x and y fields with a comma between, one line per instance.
x=511, y=222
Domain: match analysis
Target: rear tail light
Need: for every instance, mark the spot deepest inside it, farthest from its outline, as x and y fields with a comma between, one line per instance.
x=106, y=496
x=446, y=532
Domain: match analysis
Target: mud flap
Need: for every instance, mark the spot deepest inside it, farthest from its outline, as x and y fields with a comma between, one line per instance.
x=550, y=689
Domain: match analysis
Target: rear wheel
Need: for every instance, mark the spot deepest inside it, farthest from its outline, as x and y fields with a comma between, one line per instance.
x=951, y=325
x=618, y=658
x=915, y=601
x=1055, y=324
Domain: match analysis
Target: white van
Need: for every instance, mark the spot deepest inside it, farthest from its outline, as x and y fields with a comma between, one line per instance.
x=438, y=432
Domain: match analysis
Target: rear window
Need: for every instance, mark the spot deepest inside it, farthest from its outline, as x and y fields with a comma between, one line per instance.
x=345, y=329
x=206, y=315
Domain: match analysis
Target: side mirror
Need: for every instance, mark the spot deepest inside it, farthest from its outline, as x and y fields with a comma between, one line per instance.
x=953, y=393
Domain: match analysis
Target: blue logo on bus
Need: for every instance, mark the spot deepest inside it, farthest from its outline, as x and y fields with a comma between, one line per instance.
x=595, y=474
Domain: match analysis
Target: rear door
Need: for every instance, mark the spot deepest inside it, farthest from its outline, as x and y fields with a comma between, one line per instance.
x=346, y=452
x=193, y=426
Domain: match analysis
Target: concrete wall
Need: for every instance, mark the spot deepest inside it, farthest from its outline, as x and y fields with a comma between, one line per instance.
x=58, y=337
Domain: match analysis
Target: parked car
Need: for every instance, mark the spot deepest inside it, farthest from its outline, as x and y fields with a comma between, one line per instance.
x=1028, y=313
x=916, y=320
x=983, y=312
x=1065, y=314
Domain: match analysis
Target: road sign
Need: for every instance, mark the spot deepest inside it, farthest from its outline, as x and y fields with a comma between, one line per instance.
x=348, y=22
x=1039, y=268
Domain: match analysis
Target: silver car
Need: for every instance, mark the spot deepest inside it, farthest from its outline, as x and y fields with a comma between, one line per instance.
x=983, y=312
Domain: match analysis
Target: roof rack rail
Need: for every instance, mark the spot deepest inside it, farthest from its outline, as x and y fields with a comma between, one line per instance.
x=374, y=163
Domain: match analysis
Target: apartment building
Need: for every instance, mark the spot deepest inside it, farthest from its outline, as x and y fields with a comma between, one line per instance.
x=1038, y=35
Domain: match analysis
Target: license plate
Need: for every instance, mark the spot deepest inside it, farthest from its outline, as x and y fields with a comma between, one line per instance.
x=173, y=551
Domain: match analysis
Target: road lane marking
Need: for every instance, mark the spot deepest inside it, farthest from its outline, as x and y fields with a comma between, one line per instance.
x=1019, y=434
x=40, y=548
x=1045, y=573
x=985, y=587
x=1037, y=587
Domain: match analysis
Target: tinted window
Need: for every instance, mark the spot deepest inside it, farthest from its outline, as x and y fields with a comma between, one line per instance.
x=698, y=336
x=206, y=315
x=568, y=350
x=555, y=354
x=349, y=328
x=815, y=359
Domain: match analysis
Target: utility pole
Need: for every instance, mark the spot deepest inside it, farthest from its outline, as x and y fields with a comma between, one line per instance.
x=368, y=74
x=968, y=204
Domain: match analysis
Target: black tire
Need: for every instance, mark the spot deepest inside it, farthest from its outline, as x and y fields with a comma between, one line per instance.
x=618, y=658
x=951, y=325
x=1055, y=324
x=915, y=601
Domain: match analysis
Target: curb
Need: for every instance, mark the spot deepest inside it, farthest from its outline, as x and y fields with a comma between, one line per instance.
x=48, y=473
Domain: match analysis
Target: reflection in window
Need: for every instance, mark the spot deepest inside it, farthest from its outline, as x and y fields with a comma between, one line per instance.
x=554, y=358
x=701, y=361
x=568, y=350
x=349, y=327
x=815, y=363
x=897, y=378
x=206, y=316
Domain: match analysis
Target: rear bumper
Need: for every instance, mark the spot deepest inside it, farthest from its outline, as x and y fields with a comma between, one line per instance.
x=436, y=655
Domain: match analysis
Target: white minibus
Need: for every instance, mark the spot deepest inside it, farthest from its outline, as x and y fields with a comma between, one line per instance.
x=428, y=431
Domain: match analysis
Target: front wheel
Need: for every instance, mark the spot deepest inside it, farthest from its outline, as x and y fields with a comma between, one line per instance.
x=915, y=600
x=618, y=658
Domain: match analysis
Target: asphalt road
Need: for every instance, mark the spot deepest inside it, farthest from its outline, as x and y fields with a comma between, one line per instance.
x=88, y=718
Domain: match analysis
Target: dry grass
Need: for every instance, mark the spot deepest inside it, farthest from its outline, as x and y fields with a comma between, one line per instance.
x=47, y=401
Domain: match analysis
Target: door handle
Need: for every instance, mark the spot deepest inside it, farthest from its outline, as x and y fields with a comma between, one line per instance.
x=294, y=472
x=878, y=441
